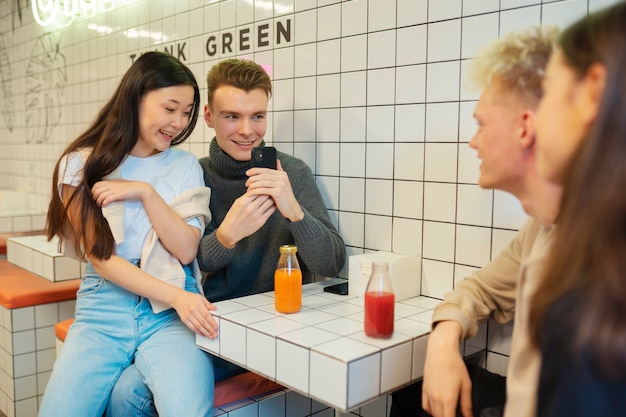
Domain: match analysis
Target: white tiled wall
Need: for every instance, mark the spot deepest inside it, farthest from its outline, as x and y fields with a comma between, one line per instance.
x=27, y=353
x=370, y=93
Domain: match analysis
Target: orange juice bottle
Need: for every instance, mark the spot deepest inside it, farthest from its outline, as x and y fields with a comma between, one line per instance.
x=288, y=281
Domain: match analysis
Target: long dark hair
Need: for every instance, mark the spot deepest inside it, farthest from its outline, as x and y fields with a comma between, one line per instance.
x=111, y=137
x=588, y=258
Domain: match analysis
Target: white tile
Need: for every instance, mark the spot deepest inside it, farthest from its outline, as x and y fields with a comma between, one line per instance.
x=439, y=202
x=354, y=53
x=329, y=57
x=468, y=166
x=283, y=94
x=352, y=159
x=283, y=63
x=563, y=14
x=46, y=338
x=409, y=161
x=478, y=31
x=411, y=84
x=262, y=10
x=354, y=17
x=353, y=126
x=45, y=359
x=244, y=12
x=261, y=353
x=305, y=60
x=66, y=268
x=507, y=211
x=412, y=12
x=329, y=188
x=419, y=353
x=380, y=126
x=379, y=160
x=410, y=123
x=305, y=94
x=351, y=228
x=473, y=245
x=443, y=81
x=444, y=40
x=227, y=14
x=363, y=375
x=353, y=89
x=305, y=27
x=343, y=326
x=22, y=319
x=330, y=22
x=395, y=371
x=500, y=239
x=477, y=7
x=407, y=236
x=25, y=387
x=24, y=365
x=411, y=45
x=327, y=125
x=510, y=4
x=284, y=130
x=310, y=317
x=379, y=196
x=474, y=205
x=412, y=328
x=518, y=19
x=292, y=368
x=328, y=87
x=303, y=124
x=408, y=199
x=378, y=232
x=440, y=162
x=498, y=364
x=444, y=9
x=437, y=277
x=381, y=49
x=381, y=86
x=442, y=122
x=381, y=15
x=352, y=196
x=232, y=342
x=23, y=342
x=327, y=158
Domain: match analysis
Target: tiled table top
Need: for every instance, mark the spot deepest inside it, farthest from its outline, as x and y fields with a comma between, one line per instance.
x=322, y=351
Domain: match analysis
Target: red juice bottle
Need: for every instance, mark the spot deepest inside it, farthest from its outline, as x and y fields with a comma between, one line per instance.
x=379, y=302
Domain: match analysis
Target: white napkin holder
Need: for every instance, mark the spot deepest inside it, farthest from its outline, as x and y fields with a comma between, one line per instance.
x=405, y=272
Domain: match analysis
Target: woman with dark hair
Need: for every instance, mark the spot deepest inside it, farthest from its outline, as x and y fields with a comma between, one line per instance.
x=578, y=315
x=134, y=209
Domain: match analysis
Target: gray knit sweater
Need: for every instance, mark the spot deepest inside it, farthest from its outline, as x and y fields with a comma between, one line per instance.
x=249, y=267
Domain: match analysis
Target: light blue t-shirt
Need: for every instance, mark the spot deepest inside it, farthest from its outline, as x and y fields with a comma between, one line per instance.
x=170, y=173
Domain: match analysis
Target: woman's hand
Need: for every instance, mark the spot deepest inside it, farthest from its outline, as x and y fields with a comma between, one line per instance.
x=195, y=311
x=109, y=191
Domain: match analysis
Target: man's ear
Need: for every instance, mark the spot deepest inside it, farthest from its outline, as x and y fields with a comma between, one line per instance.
x=208, y=116
x=527, y=133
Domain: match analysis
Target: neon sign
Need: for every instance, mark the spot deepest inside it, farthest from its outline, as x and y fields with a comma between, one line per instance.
x=64, y=12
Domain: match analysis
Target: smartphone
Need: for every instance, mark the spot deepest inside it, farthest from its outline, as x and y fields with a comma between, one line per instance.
x=264, y=157
x=341, y=289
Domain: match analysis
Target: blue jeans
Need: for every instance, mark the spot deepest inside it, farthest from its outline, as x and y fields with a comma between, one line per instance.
x=112, y=329
x=132, y=398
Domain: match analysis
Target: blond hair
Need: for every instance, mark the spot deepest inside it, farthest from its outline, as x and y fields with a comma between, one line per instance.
x=517, y=61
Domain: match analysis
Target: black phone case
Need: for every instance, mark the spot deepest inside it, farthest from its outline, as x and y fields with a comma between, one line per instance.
x=264, y=157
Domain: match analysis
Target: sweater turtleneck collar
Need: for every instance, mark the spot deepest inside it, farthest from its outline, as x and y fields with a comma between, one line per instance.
x=225, y=165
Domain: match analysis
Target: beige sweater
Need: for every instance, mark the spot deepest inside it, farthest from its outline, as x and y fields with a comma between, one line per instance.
x=502, y=290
